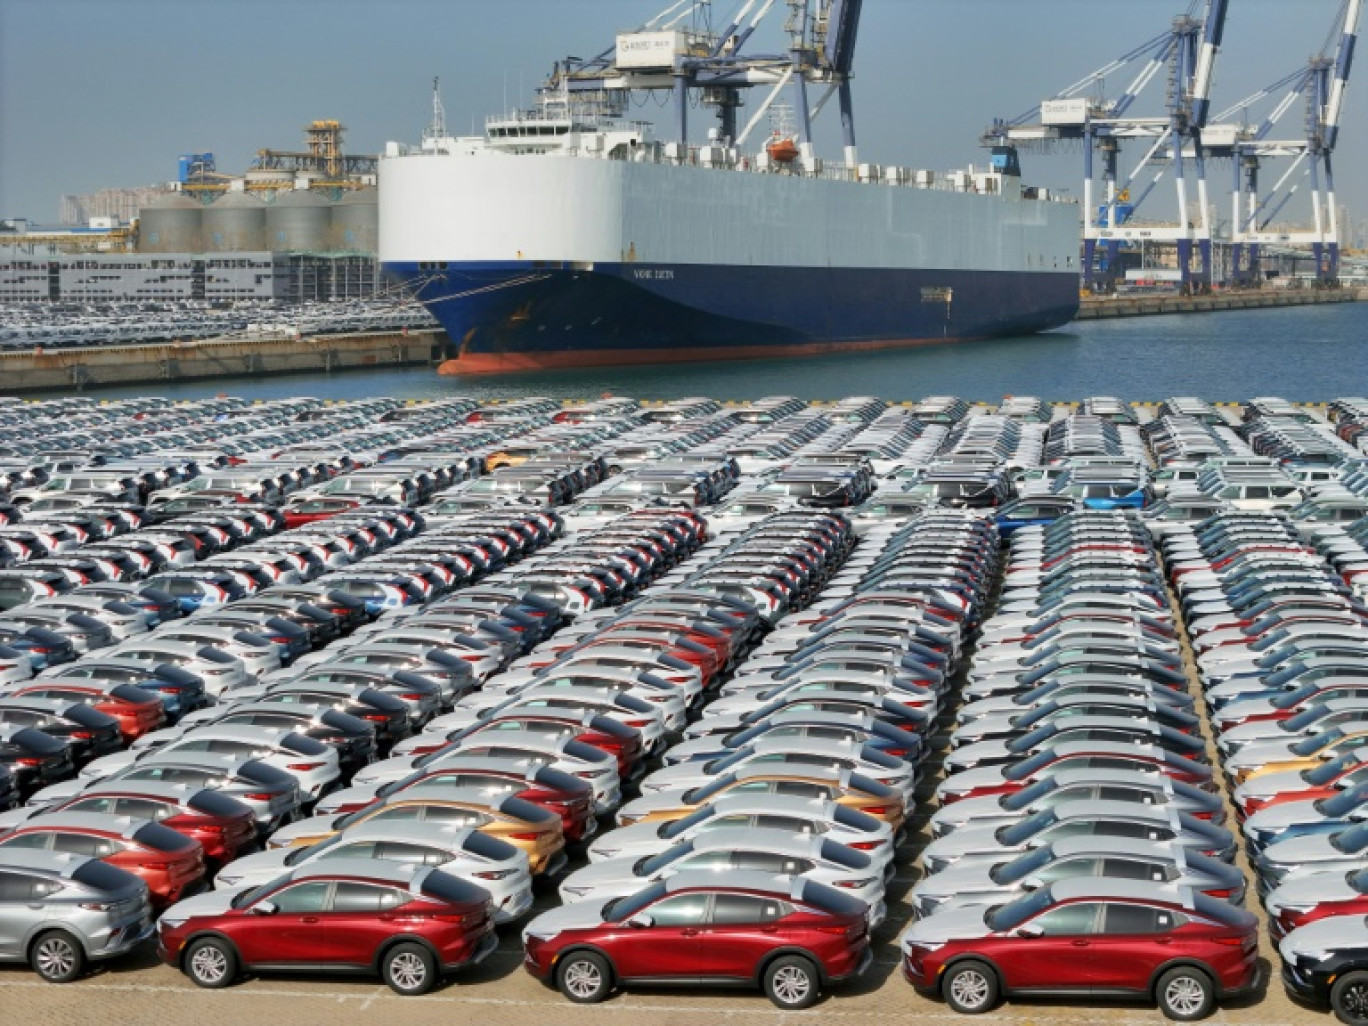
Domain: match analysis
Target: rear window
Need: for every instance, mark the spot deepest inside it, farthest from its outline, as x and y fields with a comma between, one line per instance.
x=101, y=876
x=210, y=803
x=842, y=855
x=831, y=900
x=131, y=693
x=486, y=847
x=452, y=890
x=260, y=773
x=852, y=819
x=154, y=835
x=524, y=810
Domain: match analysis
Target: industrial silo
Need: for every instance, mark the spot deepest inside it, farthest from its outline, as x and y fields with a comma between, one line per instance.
x=298, y=222
x=356, y=222
x=170, y=224
x=236, y=221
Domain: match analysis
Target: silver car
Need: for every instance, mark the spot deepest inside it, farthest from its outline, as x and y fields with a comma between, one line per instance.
x=59, y=911
x=725, y=851
x=495, y=865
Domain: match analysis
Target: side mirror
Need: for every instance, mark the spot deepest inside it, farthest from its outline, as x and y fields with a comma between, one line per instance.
x=1030, y=930
x=264, y=908
x=640, y=921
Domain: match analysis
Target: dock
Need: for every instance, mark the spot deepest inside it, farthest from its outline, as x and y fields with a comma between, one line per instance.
x=37, y=370
x=1101, y=307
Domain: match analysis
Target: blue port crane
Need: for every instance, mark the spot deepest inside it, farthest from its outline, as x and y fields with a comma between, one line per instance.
x=1320, y=86
x=681, y=53
x=1188, y=51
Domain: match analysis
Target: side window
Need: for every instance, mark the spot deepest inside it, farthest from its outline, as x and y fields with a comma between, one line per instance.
x=680, y=910
x=86, y=844
x=1064, y=869
x=38, y=840
x=742, y=909
x=1125, y=794
x=398, y=851
x=458, y=817
x=1068, y=920
x=1121, y=919
x=303, y=897
x=783, y=823
x=357, y=850
x=1134, y=869
x=16, y=887
x=355, y=897
x=139, y=808
x=801, y=789
x=765, y=862
x=399, y=813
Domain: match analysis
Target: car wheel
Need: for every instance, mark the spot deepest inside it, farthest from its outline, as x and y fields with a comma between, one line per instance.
x=792, y=982
x=970, y=988
x=585, y=978
x=57, y=957
x=409, y=969
x=1185, y=994
x=1349, y=998
x=210, y=963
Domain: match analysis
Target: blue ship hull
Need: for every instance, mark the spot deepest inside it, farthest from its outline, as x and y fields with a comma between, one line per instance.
x=528, y=315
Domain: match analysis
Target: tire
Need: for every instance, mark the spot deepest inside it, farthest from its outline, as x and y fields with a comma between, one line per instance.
x=57, y=956
x=1349, y=998
x=1186, y=994
x=410, y=969
x=210, y=963
x=792, y=982
x=584, y=978
x=970, y=988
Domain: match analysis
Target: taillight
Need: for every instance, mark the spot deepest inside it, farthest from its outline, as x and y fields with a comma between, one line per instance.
x=29, y=760
x=1223, y=893
x=84, y=735
x=412, y=696
x=259, y=796
x=304, y=765
x=496, y=874
x=525, y=837
x=375, y=717
x=639, y=723
x=867, y=845
x=1230, y=942
x=877, y=810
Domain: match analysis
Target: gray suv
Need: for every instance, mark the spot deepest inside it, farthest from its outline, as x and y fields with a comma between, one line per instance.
x=59, y=911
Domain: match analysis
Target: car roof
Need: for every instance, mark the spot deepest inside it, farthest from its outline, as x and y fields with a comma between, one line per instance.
x=61, y=863
x=740, y=880
x=1133, y=890
x=409, y=875
x=123, y=826
x=441, y=835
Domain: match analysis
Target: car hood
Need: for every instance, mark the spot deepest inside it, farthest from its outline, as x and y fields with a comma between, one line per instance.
x=208, y=903
x=1270, y=784
x=1273, y=817
x=314, y=826
x=385, y=770
x=956, y=880
x=1309, y=891
x=1315, y=940
x=954, y=923
x=615, y=873
x=1293, y=851
x=576, y=915
x=251, y=870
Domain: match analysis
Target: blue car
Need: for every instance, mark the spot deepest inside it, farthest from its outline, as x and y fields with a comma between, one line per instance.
x=1032, y=512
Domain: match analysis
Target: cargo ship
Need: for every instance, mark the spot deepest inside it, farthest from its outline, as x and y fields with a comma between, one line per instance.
x=569, y=236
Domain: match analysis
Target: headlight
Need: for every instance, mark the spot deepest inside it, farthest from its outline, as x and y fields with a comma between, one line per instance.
x=228, y=881
x=540, y=935
x=578, y=892
x=926, y=946
x=605, y=853
x=168, y=923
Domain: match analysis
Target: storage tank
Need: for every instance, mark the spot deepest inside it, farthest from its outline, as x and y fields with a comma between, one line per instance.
x=298, y=222
x=236, y=221
x=170, y=224
x=356, y=222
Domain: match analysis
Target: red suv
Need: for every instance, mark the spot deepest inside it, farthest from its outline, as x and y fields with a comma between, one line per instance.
x=406, y=921
x=788, y=935
x=171, y=864
x=1161, y=942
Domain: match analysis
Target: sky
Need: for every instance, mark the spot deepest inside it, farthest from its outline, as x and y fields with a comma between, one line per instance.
x=99, y=93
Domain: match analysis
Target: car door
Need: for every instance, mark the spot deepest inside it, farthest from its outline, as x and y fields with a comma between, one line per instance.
x=1053, y=951
x=19, y=893
x=741, y=929
x=290, y=935
x=671, y=947
x=1133, y=942
x=361, y=917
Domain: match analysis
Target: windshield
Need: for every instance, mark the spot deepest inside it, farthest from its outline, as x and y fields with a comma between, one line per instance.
x=621, y=908
x=1008, y=917
x=1022, y=799
x=1019, y=833
x=1017, y=869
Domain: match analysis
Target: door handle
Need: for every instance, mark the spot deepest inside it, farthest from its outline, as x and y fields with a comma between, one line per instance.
x=309, y=919
x=688, y=933
x=1080, y=944
x=769, y=929
x=1163, y=940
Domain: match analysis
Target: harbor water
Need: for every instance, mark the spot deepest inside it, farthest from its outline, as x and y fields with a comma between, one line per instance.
x=1299, y=353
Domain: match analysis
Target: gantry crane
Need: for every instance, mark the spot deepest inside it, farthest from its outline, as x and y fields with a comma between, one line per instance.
x=1321, y=85
x=1188, y=50
x=678, y=51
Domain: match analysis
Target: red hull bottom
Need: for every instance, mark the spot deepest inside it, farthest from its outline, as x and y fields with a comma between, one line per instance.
x=512, y=363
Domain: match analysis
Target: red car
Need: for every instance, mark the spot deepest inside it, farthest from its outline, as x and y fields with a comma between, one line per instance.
x=790, y=936
x=1303, y=900
x=1089, y=936
x=138, y=710
x=223, y=826
x=171, y=864
x=1308, y=785
x=408, y=922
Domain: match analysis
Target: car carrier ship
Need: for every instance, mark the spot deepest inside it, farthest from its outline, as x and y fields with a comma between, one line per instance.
x=570, y=236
